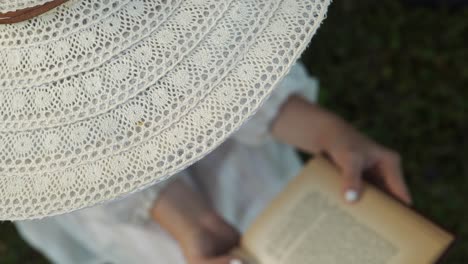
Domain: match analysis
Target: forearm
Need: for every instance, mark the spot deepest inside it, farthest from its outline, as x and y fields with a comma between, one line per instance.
x=316, y=130
x=304, y=125
x=194, y=224
x=177, y=209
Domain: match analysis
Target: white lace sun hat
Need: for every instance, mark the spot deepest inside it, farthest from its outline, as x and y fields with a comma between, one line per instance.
x=99, y=99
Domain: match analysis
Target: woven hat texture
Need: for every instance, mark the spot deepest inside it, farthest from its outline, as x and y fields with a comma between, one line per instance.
x=14, y=5
x=99, y=99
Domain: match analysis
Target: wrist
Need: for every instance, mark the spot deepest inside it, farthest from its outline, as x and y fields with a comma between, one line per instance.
x=308, y=126
x=328, y=125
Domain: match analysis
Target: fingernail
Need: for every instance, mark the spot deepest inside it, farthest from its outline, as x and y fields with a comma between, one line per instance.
x=351, y=196
x=235, y=261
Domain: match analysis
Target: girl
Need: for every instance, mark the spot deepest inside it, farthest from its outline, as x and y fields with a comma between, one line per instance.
x=196, y=218
x=101, y=99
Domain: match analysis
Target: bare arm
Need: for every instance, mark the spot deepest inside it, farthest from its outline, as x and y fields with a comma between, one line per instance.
x=204, y=237
x=313, y=129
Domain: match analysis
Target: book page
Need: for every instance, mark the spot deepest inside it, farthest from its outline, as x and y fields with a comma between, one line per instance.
x=309, y=223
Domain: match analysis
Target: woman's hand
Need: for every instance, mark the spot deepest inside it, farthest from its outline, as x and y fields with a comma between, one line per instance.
x=204, y=237
x=315, y=130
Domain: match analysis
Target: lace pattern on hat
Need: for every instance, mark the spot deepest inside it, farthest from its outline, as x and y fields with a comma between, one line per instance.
x=164, y=127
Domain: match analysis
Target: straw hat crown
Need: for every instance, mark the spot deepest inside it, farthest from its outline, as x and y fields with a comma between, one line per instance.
x=99, y=99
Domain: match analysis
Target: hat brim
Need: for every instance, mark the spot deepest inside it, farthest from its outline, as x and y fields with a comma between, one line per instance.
x=11, y=6
x=168, y=125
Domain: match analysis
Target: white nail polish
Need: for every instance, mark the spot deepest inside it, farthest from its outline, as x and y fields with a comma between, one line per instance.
x=235, y=261
x=351, y=195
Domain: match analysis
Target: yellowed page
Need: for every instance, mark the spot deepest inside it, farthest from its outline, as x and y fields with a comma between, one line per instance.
x=310, y=223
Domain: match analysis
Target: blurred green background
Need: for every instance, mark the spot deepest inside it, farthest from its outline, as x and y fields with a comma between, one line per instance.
x=400, y=74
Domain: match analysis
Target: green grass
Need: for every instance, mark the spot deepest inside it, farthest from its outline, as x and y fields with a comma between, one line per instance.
x=13, y=250
x=400, y=75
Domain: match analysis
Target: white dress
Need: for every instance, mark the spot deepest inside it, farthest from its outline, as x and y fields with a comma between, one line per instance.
x=240, y=177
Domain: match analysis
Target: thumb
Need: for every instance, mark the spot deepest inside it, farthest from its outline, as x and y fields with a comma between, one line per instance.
x=351, y=167
x=225, y=260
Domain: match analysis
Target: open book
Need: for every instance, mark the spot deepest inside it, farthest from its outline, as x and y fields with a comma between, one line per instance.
x=310, y=223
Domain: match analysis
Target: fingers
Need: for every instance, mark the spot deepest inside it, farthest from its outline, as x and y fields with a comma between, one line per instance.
x=389, y=167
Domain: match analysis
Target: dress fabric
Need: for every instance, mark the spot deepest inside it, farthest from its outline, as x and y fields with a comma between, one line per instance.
x=239, y=178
